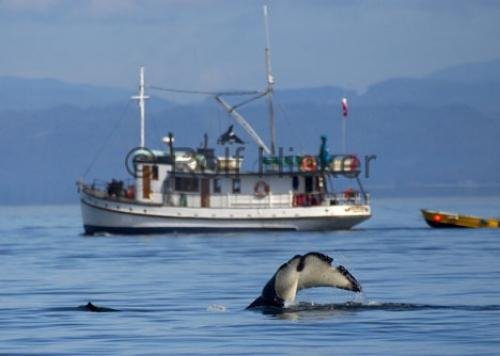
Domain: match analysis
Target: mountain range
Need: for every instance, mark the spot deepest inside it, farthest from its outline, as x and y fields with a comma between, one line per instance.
x=432, y=135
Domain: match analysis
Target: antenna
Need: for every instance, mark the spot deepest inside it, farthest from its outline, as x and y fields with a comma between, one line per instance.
x=140, y=98
x=270, y=82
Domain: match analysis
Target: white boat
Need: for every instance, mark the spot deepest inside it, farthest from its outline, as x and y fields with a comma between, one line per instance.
x=196, y=190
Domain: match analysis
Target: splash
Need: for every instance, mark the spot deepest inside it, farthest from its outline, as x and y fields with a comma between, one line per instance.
x=216, y=308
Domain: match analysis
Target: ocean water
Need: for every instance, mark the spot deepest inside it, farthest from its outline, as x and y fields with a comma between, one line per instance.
x=426, y=291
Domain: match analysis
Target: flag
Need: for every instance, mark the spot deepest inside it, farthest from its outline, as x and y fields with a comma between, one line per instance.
x=345, y=108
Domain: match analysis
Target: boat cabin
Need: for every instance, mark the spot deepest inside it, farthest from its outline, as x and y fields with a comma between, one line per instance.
x=210, y=182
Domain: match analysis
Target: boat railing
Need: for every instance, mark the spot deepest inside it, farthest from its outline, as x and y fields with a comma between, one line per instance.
x=346, y=198
x=124, y=191
x=121, y=190
x=285, y=200
x=230, y=200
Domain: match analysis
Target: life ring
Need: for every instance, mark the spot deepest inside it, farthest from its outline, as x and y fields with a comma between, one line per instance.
x=261, y=189
x=354, y=164
x=308, y=164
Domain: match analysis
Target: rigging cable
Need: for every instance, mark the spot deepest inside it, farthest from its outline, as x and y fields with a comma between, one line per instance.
x=200, y=92
x=153, y=119
x=110, y=135
x=289, y=125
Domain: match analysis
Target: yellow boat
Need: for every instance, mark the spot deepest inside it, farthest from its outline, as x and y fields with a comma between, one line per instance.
x=450, y=220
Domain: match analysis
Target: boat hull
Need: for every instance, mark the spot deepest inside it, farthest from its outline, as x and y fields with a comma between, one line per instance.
x=437, y=219
x=115, y=217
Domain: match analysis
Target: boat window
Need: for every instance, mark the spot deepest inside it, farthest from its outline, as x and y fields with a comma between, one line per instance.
x=217, y=187
x=295, y=183
x=236, y=185
x=155, y=173
x=186, y=184
x=308, y=184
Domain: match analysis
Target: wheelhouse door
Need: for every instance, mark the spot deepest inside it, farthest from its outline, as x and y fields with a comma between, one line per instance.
x=205, y=193
x=146, y=182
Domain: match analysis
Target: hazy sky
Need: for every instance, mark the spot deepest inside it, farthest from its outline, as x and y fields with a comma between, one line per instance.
x=216, y=44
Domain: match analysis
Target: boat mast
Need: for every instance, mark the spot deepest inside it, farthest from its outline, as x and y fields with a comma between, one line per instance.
x=270, y=82
x=243, y=123
x=141, y=100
